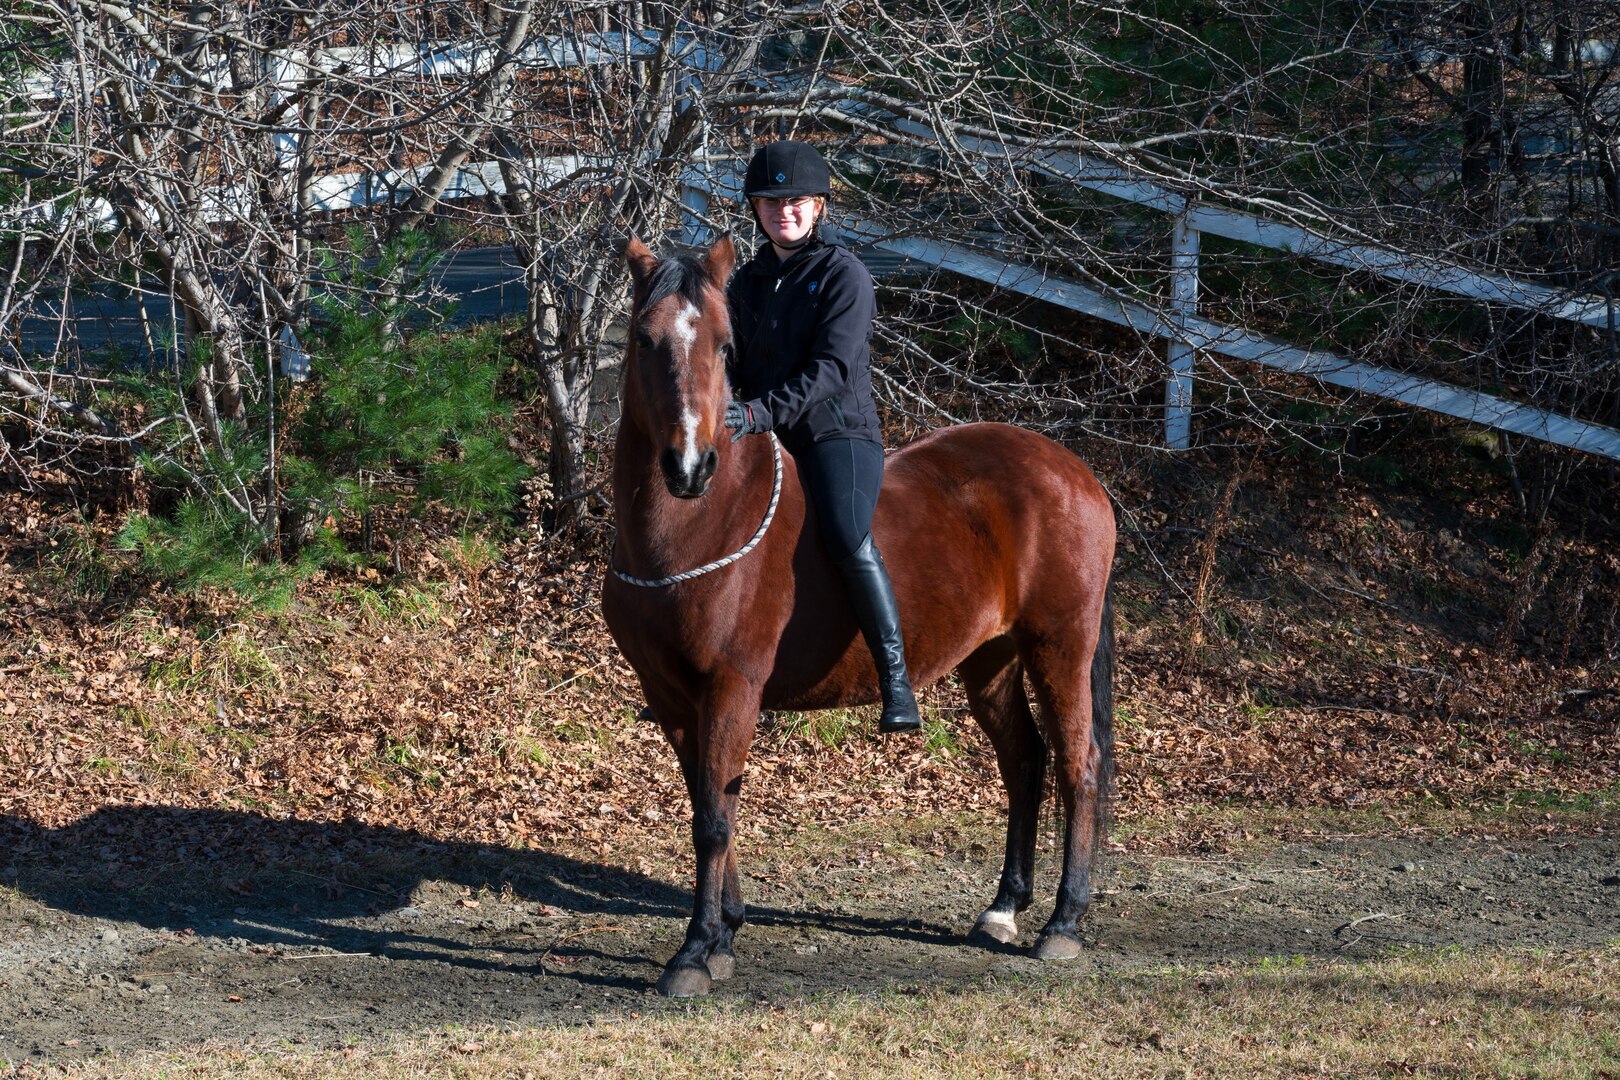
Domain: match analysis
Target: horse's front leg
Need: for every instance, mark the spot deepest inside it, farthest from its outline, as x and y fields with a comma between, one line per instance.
x=682, y=736
x=724, y=728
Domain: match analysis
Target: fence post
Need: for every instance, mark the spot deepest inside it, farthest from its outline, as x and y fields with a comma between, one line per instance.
x=694, y=208
x=1178, y=392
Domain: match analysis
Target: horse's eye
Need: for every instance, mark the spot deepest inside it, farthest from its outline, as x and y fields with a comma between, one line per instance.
x=643, y=340
x=726, y=352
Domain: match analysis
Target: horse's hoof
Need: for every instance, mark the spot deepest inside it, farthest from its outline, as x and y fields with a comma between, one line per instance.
x=996, y=926
x=685, y=982
x=1057, y=947
x=722, y=966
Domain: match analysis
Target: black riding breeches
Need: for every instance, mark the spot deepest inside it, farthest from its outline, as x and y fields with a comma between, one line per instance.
x=841, y=478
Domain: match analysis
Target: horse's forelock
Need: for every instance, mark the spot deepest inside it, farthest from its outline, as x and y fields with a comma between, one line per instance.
x=682, y=274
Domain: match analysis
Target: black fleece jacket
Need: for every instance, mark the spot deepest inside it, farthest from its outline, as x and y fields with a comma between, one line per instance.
x=800, y=331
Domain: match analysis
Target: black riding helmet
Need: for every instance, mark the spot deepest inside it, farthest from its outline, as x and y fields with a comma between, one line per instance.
x=786, y=169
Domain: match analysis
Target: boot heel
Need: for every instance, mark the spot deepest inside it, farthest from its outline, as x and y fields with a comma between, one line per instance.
x=895, y=725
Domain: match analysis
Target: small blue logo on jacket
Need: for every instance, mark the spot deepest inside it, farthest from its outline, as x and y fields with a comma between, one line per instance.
x=814, y=285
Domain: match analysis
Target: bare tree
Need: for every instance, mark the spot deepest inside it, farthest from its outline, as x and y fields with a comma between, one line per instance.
x=186, y=140
x=1482, y=133
x=631, y=129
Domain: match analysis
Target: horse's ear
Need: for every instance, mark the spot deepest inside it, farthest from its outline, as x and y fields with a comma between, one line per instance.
x=642, y=262
x=721, y=258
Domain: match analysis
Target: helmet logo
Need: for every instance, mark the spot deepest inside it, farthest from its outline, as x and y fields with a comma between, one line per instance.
x=781, y=178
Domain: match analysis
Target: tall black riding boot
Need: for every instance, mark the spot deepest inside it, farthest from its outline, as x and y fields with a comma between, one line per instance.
x=878, y=616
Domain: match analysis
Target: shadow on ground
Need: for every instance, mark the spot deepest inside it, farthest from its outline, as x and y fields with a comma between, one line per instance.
x=146, y=927
x=154, y=927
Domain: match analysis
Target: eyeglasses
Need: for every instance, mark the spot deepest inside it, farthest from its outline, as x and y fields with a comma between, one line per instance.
x=798, y=203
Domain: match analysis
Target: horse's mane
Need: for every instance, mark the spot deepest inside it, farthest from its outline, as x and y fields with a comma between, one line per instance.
x=683, y=273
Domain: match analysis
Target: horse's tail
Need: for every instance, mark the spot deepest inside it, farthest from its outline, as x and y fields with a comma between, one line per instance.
x=1102, y=717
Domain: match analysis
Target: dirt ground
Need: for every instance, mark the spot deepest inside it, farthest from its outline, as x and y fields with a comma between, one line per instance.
x=352, y=933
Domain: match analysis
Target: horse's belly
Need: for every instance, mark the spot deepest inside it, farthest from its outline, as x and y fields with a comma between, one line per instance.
x=822, y=662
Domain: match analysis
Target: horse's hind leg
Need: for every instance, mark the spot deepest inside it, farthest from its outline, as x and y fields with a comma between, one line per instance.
x=994, y=679
x=1060, y=673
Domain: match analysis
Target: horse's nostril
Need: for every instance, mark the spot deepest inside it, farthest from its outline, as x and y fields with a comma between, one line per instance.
x=707, y=465
x=670, y=462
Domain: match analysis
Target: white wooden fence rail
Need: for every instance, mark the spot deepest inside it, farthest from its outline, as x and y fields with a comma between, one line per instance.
x=1193, y=217
x=1184, y=329
x=1193, y=332
x=1189, y=333
x=435, y=61
x=1262, y=232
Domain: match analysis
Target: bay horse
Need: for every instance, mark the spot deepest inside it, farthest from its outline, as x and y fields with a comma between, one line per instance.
x=1000, y=544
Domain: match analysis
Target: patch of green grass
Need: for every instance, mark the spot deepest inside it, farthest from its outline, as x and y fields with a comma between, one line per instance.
x=1282, y=963
x=231, y=663
x=402, y=754
x=1227, y=622
x=166, y=754
x=1247, y=826
x=1534, y=748
x=1271, y=697
x=383, y=606
x=240, y=742
x=402, y=757
x=939, y=735
x=1258, y=713
x=1601, y=801
x=1125, y=718
x=579, y=733
x=469, y=553
x=830, y=728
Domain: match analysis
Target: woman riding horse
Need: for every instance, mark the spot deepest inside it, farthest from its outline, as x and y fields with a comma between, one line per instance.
x=721, y=594
x=801, y=318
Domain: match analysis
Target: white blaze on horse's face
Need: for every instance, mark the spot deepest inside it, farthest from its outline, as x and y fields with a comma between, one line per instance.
x=684, y=333
x=690, y=460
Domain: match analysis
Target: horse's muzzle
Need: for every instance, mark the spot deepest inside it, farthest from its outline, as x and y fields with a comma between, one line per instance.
x=687, y=475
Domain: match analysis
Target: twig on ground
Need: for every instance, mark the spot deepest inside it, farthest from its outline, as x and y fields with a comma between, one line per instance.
x=323, y=955
x=1353, y=923
x=574, y=934
x=336, y=881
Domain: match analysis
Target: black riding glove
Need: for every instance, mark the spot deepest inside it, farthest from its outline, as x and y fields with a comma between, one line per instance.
x=747, y=418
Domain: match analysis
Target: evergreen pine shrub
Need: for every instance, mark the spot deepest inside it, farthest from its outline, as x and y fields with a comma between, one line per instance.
x=388, y=417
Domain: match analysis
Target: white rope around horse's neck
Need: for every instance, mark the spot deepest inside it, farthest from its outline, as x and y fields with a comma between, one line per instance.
x=753, y=541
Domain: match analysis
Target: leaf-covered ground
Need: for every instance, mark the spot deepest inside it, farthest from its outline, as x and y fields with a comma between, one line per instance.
x=419, y=800
x=1293, y=633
